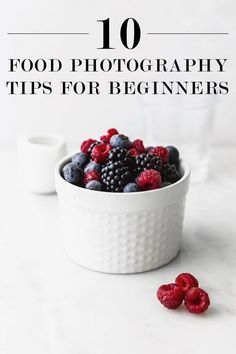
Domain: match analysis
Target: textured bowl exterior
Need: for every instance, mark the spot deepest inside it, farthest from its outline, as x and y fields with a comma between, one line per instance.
x=122, y=232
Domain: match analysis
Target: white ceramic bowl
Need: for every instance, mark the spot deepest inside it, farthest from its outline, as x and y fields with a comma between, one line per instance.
x=122, y=232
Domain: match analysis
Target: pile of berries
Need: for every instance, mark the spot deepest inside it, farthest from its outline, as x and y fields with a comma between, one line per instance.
x=116, y=164
x=184, y=289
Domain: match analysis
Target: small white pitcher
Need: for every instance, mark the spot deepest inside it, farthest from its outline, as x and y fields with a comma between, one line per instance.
x=38, y=155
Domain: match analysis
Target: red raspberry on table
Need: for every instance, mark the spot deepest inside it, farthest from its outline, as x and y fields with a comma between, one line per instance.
x=86, y=145
x=92, y=176
x=138, y=145
x=170, y=295
x=161, y=152
x=133, y=152
x=186, y=281
x=196, y=300
x=110, y=133
x=100, y=152
x=148, y=180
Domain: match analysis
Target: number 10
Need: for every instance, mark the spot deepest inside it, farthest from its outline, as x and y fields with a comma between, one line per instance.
x=123, y=33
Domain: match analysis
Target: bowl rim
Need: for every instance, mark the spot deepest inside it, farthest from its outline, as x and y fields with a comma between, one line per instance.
x=66, y=159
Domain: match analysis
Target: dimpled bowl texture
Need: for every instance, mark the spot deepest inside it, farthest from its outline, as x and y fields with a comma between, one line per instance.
x=122, y=233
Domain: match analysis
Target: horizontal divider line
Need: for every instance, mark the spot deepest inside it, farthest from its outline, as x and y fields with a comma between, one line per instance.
x=86, y=33
x=202, y=33
x=47, y=33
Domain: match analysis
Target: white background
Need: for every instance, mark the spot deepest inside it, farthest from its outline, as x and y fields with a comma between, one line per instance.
x=77, y=117
x=49, y=305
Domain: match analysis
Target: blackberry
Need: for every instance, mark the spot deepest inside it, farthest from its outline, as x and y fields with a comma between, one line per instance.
x=121, y=154
x=170, y=173
x=148, y=162
x=115, y=175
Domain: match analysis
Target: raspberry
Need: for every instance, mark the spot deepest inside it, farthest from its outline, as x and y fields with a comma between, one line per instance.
x=104, y=138
x=149, y=179
x=100, y=152
x=92, y=146
x=138, y=145
x=170, y=295
x=133, y=152
x=110, y=133
x=186, y=281
x=196, y=300
x=86, y=145
x=92, y=176
x=161, y=152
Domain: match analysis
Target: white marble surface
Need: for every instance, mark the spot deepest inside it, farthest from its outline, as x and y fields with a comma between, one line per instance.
x=49, y=305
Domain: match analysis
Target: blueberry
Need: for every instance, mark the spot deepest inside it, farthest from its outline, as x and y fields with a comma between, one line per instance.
x=120, y=140
x=92, y=166
x=80, y=159
x=131, y=187
x=72, y=173
x=173, y=154
x=94, y=185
